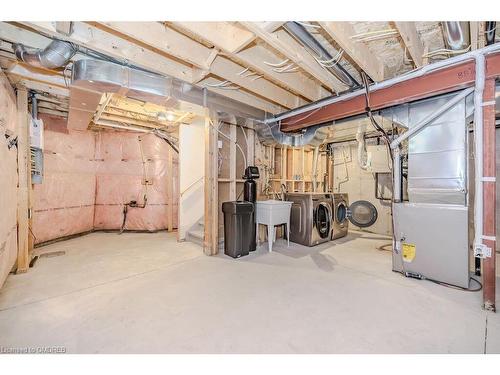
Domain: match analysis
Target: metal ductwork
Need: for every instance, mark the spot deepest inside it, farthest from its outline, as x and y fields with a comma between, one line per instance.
x=457, y=34
x=271, y=134
x=57, y=54
x=314, y=47
x=92, y=78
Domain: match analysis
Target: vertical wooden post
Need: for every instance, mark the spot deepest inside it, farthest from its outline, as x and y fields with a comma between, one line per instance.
x=489, y=182
x=170, y=190
x=211, y=219
x=24, y=181
x=232, y=161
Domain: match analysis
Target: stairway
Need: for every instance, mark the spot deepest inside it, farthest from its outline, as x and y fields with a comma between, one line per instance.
x=197, y=234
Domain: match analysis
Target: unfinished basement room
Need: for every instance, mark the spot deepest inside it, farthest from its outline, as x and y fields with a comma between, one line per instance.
x=301, y=186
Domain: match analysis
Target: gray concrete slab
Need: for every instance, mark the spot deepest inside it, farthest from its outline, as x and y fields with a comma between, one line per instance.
x=146, y=293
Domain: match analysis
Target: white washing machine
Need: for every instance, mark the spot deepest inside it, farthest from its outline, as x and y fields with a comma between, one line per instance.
x=360, y=213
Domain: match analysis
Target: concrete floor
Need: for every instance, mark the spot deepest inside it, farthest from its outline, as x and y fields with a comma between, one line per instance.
x=146, y=293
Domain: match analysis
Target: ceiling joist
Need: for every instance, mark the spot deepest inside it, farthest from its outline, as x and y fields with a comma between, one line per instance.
x=254, y=57
x=295, y=53
x=411, y=40
x=341, y=33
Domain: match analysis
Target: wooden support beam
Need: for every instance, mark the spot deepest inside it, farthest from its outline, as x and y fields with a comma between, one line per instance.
x=64, y=27
x=165, y=40
x=489, y=194
x=24, y=181
x=228, y=70
x=285, y=45
x=412, y=41
x=88, y=35
x=232, y=162
x=170, y=189
x=341, y=33
x=211, y=217
x=271, y=26
x=255, y=57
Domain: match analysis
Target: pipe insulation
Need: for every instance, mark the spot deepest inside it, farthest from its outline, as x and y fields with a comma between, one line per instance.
x=57, y=54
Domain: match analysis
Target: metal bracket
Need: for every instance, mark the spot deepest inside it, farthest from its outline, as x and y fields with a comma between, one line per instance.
x=482, y=251
x=488, y=179
x=486, y=104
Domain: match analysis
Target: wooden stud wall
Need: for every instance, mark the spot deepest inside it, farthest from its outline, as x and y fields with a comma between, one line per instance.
x=292, y=167
x=232, y=167
x=24, y=182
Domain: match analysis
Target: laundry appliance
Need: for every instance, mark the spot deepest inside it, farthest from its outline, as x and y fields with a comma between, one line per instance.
x=310, y=218
x=361, y=213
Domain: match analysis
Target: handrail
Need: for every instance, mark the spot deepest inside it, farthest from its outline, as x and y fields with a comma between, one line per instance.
x=191, y=185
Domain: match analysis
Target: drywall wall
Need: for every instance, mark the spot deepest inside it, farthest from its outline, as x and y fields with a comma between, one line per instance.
x=8, y=179
x=191, y=174
x=360, y=185
x=89, y=176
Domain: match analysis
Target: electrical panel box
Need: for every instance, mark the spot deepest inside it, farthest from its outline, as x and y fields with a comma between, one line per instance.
x=378, y=159
x=36, y=150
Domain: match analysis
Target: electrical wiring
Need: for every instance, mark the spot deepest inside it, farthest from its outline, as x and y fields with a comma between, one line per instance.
x=278, y=65
x=230, y=140
x=375, y=35
x=286, y=69
x=224, y=85
x=331, y=62
x=370, y=115
x=446, y=51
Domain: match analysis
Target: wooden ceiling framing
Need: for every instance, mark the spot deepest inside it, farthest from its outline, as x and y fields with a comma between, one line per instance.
x=245, y=61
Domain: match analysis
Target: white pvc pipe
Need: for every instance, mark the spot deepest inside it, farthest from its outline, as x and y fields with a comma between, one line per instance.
x=315, y=169
x=431, y=117
x=390, y=82
x=478, y=149
x=396, y=184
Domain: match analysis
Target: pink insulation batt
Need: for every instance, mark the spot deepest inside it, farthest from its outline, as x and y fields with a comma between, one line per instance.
x=89, y=176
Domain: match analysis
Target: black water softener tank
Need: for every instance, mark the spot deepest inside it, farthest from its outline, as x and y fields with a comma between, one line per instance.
x=250, y=195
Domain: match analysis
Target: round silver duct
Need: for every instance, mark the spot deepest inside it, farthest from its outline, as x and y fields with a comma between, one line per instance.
x=55, y=55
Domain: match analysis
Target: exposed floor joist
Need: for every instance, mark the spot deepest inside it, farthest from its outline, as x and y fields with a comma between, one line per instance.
x=285, y=45
x=169, y=41
x=412, y=41
x=254, y=57
x=341, y=33
x=89, y=36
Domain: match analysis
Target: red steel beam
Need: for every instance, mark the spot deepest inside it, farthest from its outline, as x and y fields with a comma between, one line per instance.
x=441, y=81
x=489, y=170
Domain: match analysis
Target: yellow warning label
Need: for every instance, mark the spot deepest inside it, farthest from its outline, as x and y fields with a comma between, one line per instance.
x=409, y=252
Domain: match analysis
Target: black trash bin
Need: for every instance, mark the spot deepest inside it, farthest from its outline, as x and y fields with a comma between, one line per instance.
x=238, y=221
